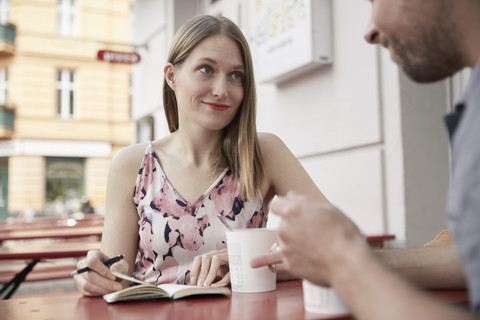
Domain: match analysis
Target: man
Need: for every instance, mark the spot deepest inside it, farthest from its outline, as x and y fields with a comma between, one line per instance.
x=429, y=40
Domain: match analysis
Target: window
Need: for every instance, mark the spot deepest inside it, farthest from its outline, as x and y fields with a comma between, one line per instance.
x=130, y=96
x=4, y=8
x=66, y=18
x=3, y=188
x=3, y=86
x=64, y=185
x=213, y=7
x=65, y=93
x=145, y=129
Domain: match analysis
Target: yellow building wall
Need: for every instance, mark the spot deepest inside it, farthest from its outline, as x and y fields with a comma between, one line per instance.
x=26, y=183
x=102, y=101
x=96, y=180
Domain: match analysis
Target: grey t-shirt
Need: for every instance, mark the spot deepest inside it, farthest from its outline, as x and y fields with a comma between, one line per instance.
x=464, y=195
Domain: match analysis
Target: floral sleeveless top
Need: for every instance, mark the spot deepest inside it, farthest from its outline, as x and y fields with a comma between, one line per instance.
x=173, y=231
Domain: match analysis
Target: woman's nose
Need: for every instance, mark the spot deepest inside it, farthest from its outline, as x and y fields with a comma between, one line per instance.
x=371, y=34
x=220, y=87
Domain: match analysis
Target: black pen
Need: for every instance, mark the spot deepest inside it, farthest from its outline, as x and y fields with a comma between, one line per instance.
x=105, y=262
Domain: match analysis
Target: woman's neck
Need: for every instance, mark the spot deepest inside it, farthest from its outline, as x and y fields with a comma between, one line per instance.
x=195, y=146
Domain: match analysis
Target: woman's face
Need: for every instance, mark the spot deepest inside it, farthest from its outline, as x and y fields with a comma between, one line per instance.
x=208, y=85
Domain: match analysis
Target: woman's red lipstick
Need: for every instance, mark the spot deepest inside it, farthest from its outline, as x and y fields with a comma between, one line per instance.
x=217, y=106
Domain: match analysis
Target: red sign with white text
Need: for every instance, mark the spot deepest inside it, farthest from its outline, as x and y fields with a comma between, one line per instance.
x=118, y=56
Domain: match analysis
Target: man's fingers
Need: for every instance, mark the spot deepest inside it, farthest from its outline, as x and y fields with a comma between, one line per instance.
x=266, y=259
x=285, y=205
x=279, y=206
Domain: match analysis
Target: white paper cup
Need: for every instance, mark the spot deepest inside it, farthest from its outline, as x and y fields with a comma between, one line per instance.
x=322, y=300
x=242, y=246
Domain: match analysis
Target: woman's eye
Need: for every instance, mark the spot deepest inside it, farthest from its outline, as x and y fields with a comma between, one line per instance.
x=237, y=76
x=206, y=69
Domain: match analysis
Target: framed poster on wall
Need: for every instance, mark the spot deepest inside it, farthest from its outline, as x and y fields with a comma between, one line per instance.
x=293, y=36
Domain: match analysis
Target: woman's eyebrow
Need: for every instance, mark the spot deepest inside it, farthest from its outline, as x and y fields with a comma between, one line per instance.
x=207, y=59
x=213, y=61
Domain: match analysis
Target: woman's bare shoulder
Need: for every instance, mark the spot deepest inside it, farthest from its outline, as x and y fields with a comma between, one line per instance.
x=275, y=153
x=130, y=156
x=270, y=142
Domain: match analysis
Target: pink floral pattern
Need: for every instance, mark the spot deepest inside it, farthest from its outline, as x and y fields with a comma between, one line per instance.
x=173, y=231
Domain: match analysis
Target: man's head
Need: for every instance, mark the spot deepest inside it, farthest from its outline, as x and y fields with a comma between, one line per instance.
x=426, y=38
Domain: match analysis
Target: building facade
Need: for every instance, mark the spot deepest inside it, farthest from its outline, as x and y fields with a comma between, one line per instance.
x=64, y=112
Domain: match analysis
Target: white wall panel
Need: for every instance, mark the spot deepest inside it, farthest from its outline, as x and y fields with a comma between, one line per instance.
x=352, y=181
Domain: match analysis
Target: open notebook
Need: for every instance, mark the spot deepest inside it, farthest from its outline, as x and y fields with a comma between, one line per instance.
x=147, y=291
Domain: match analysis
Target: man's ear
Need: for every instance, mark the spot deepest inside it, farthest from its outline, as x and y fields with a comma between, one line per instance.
x=169, y=71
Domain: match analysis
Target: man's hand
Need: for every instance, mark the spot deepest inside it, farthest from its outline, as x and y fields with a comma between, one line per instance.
x=314, y=238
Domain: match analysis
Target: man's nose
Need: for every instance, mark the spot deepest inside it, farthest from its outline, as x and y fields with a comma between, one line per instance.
x=371, y=34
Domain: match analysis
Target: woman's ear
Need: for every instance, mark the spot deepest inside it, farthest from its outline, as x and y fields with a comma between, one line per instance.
x=169, y=71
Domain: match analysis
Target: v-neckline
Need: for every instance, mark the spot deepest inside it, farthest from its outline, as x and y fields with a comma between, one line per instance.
x=201, y=197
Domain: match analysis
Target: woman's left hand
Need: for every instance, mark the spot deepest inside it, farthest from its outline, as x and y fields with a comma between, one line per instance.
x=210, y=269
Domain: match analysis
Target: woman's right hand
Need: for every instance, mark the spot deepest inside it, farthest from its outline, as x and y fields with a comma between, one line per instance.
x=100, y=280
x=210, y=269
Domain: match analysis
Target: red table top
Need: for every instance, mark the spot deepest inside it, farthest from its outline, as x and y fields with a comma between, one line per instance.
x=53, y=250
x=284, y=303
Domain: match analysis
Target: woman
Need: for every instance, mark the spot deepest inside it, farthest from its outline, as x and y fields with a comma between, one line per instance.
x=214, y=161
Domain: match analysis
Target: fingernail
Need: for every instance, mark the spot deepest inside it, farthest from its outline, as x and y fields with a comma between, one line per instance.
x=192, y=279
x=117, y=286
x=200, y=282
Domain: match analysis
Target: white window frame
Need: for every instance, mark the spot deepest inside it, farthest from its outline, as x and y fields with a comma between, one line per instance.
x=4, y=11
x=67, y=18
x=3, y=86
x=232, y=9
x=212, y=7
x=65, y=86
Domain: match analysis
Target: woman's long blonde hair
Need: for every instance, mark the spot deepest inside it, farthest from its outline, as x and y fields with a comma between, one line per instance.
x=239, y=148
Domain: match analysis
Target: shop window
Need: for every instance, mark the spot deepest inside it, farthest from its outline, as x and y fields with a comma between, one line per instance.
x=145, y=129
x=65, y=185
